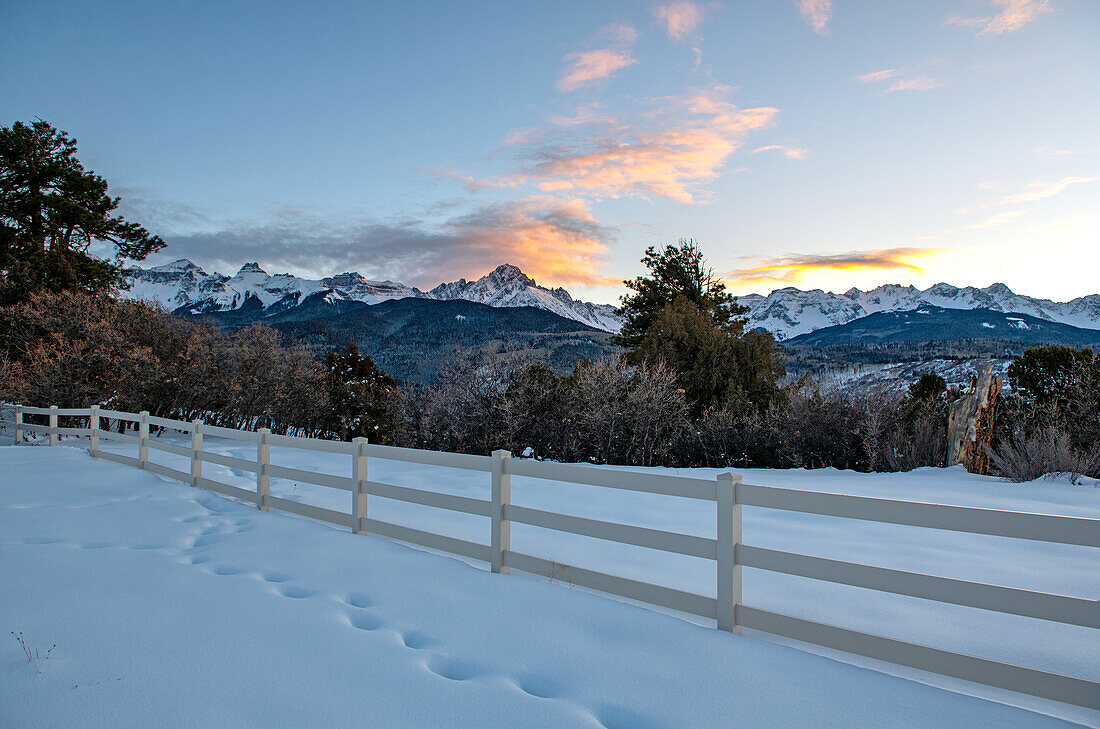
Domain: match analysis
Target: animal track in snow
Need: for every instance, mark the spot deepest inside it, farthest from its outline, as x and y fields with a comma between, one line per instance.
x=358, y=600
x=365, y=621
x=296, y=592
x=415, y=640
x=226, y=570
x=274, y=577
x=620, y=717
x=541, y=687
x=455, y=669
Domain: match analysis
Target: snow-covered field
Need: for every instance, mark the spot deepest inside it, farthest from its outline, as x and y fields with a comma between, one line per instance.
x=171, y=606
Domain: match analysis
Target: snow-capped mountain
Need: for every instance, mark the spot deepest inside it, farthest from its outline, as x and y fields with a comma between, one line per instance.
x=509, y=286
x=183, y=286
x=786, y=313
x=789, y=312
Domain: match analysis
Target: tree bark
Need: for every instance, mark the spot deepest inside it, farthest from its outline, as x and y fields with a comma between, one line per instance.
x=970, y=422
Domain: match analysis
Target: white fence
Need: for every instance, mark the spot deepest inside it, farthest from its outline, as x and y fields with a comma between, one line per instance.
x=727, y=551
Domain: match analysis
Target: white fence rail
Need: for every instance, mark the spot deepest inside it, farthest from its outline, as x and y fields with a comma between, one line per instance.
x=727, y=550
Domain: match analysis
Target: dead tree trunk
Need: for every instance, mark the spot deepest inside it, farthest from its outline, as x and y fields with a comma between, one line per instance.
x=970, y=422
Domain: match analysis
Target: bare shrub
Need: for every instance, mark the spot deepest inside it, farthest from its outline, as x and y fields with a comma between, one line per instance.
x=32, y=654
x=900, y=433
x=616, y=413
x=1048, y=449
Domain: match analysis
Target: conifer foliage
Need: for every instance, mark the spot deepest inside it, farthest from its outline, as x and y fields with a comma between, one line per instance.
x=364, y=401
x=675, y=271
x=682, y=316
x=52, y=212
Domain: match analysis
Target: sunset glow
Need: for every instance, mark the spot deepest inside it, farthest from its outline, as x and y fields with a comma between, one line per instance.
x=805, y=143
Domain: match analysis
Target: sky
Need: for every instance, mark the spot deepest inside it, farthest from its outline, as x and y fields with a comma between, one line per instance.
x=810, y=143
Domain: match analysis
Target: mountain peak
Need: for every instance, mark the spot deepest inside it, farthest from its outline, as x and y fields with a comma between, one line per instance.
x=999, y=288
x=253, y=267
x=348, y=278
x=509, y=272
x=180, y=264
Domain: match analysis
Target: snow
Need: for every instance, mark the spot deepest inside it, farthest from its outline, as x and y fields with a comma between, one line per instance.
x=898, y=376
x=182, y=283
x=789, y=312
x=172, y=606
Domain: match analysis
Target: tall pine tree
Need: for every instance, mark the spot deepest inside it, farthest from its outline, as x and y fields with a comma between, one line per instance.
x=52, y=211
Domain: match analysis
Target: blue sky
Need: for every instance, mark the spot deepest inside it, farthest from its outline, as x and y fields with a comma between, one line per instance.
x=808, y=143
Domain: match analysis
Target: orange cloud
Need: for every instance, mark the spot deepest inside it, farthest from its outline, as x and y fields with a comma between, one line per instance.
x=555, y=241
x=586, y=114
x=1034, y=191
x=793, y=269
x=680, y=19
x=877, y=75
x=585, y=68
x=920, y=82
x=798, y=153
x=670, y=151
x=588, y=67
x=916, y=83
x=1048, y=151
x=817, y=13
x=1014, y=14
x=998, y=219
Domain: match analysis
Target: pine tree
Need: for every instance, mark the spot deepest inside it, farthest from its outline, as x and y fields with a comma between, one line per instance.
x=51, y=212
x=675, y=271
x=364, y=401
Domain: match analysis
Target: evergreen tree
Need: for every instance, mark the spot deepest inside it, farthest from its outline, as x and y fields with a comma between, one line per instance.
x=681, y=314
x=930, y=387
x=364, y=401
x=675, y=271
x=51, y=212
x=714, y=367
x=1058, y=387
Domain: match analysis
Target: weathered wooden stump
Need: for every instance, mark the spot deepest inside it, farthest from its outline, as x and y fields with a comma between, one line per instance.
x=970, y=422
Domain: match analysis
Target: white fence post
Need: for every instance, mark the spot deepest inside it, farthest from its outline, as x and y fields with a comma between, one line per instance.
x=143, y=439
x=359, y=476
x=196, y=449
x=93, y=432
x=263, y=458
x=729, y=538
x=53, y=425
x=500, y=540
x=18, y=424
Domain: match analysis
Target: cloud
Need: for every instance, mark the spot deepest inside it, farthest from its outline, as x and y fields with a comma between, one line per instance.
x=553, y=240
x=877, y=75
x=680, y=19
x=798, y=153
x=158, y=216
x=793, y=269
x=1013, y=15
x=588, y=67
x=1034, y=191
x=1047, y=151
x=817, y=13
x=916, y=83
x=672, y=149
x=902, y=81
x=586, y=114
x=997, y=219
x=585, y=68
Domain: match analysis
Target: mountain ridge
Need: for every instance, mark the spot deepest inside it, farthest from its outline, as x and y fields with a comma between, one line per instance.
x=186, y=288
x=789, y=312
x=928, y=323
x=786, y=313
